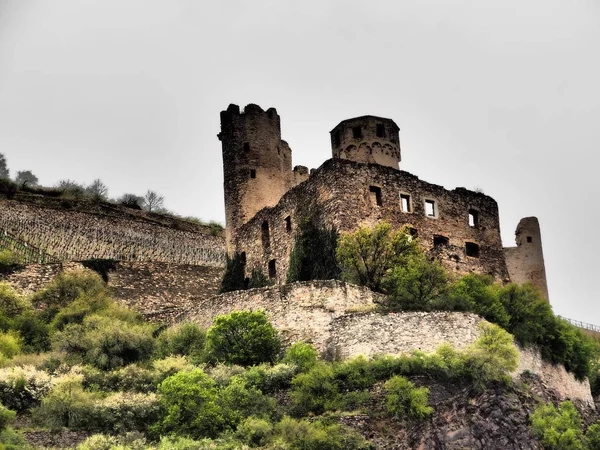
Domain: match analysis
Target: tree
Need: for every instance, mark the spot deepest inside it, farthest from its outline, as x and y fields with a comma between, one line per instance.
x=416, y=284
x=4, y=173
x=97, y=190
x=243, y=337
x=368, y=255
x=131, y=201
x=314, y=254
x=71, y=188
x=153, y=201
x=558, y=429
x=26, y=178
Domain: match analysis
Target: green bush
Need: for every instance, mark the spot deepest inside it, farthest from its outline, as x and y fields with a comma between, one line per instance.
x=190, y=403
x=592, y=436
x=368, y=255
x=255, y=432
x=9, y=262
x=10, y=344
x=305, y=435
x=244, y=338
x=8, y=188
x=68, y=286
x=186, y=339
x=416, y=284
x=354, y=374
x=22, y=388
x=258, y=279
x=166, y=367
x=126, y=411
x=302, y=355
x=558, y=429
x=106, y=343
x=11, y=304
x=34, y=332
x=239, y=400
x=314, y=391
x=313, y=256
x=6, y=417
x=269, y=378
x=404, y=399
x=67, y=405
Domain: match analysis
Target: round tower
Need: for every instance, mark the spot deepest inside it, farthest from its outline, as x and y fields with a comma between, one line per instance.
x=367, y=139
x=257, y=164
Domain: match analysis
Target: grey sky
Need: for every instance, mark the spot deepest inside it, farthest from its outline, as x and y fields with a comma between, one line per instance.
x=498, y=95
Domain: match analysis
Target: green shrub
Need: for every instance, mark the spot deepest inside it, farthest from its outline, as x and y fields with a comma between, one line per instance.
x=244, y=338
x=6, y=417
x=13, y=440
x=169, y=366
x=186, y=339
x=239, y=400
x=255, y=432
x=68, y=286
x=11, y=304
x=100, y=442
x=354, y=374
x=304, y=435
x=106, y=343
x=592, y=436
x=9, y=262
x=67, y=405
x=302, y=355
x=558, y=429
x=10, y=344
x=8, y=188
x=313, y=256
x=258, y=279
x=269, y=378
x=314, y=391
x=416, y=284
x=126, y=411
x=190, y=406
x=368, y=255
x=222, y=374
x=404, y=399
x=131, y=378
x=22, y=388
x=34, y=332
x=234, y=278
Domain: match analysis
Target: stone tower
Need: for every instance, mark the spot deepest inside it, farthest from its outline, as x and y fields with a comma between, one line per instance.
x=367, y=139
x=257, y=164
x=525, y=262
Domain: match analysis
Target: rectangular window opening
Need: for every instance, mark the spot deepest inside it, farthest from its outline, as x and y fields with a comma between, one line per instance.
x=265, y=235
x=336, y=138
x=246, y=147
x=405, y=203
x=439, y=241
x=430, y=208
x=474, y=218
x=529, y=239
x=472, y=249
x=272, y=269
x=357, y=132
x=376, y=195
x=288, y=223
x=380, y=130
x=252, y=173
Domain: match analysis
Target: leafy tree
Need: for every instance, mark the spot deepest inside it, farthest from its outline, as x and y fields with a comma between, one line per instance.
x=367, y=255
x=131, y=201
x=416, y=284
x=26, y=178
x=592, y=436
x=558, y=429
x=190, y=402
x=97, y=190
x=71, y=188
x=153, y=201
x=187, y=339
x=314, y=254
x=302, y=355
x=234, y=276
x=404, y=399
x=315, y=391
x=244, y=338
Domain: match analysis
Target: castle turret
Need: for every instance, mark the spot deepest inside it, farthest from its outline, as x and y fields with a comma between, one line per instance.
x=367, y=139
x=257, y=164
x=525, y=262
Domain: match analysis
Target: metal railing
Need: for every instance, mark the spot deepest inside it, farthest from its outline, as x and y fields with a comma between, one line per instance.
x=583, y=325
x=27, y=253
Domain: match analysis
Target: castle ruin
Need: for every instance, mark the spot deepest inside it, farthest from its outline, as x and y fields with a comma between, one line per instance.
x=359, y=186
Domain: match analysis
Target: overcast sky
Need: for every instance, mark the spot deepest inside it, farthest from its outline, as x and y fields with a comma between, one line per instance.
x=498, y=95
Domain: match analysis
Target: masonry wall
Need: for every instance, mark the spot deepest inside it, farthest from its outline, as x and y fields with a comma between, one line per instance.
x=340, y=193
x=338, y=318
x=160, y=291
x=74, y=232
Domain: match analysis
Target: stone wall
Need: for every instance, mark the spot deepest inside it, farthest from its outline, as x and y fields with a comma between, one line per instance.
x=339, y=318
x=160, y=291
x=349, y=195
x=76, y=232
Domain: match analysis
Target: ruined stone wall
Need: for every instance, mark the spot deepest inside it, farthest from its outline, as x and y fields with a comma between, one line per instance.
x=105, y=233
x=160, y=291
x=525, y=262
x=338, y=317
x=349, y=195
